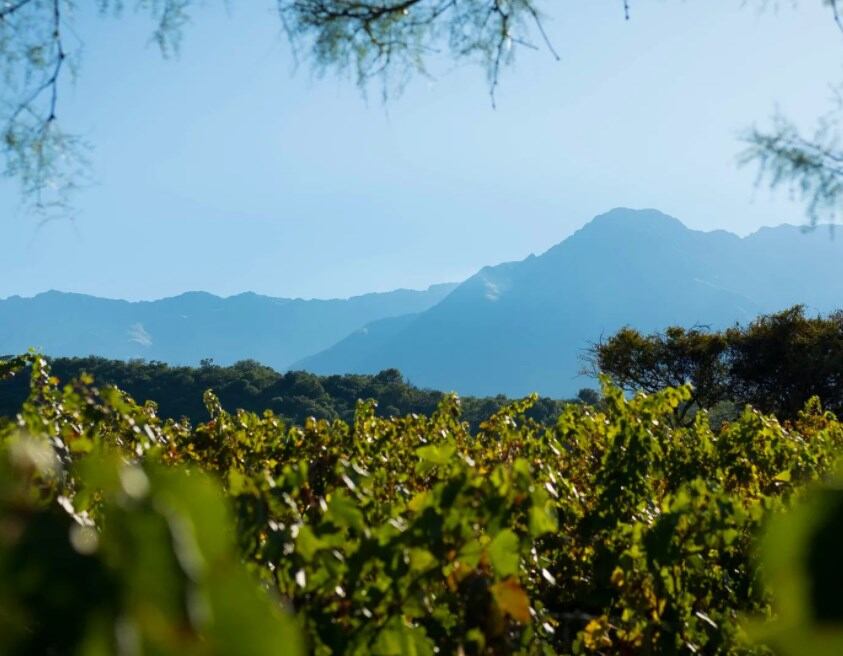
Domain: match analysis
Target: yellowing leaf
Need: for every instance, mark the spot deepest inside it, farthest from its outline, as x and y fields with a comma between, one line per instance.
x=418, y=502
x=512, y=600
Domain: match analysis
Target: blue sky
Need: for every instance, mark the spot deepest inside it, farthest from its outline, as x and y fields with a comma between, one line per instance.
x=228, y=170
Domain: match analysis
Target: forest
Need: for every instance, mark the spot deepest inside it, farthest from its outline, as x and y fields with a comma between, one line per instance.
x=293, y=396
x=632, y=523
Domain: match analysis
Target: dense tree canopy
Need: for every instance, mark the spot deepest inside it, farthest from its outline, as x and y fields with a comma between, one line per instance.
x=248, y=385
x=776, y=363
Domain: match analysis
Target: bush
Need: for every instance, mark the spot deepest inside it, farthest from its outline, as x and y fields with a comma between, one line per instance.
x=615, y=530
x=776, y=363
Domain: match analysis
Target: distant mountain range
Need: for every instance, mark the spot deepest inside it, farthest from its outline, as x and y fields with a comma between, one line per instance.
x=522, y=326
x=513, y=328
x=192, y=326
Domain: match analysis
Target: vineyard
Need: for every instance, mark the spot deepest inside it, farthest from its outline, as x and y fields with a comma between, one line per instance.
x=615, y=529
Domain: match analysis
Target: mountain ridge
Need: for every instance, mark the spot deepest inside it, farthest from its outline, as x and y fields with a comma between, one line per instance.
x=192, y=326
x=517, y=327
x=512, y=328
x=201, y=293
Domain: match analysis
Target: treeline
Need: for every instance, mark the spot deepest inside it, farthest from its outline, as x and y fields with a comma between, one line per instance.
x=775, y=364
x=251, y=386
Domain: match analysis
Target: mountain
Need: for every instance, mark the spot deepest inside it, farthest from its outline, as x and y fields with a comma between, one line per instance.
x=521, y=327
x=195, y=325
x=511, y=329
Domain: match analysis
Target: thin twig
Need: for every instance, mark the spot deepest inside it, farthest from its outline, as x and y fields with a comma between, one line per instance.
x=538, y=21
x=835, y=10
x=8, y=10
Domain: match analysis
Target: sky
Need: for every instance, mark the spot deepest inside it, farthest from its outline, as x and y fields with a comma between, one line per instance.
x=231, y=169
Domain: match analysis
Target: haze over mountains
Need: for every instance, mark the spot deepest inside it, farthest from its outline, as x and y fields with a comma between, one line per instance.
x=185, y=329
x=513, y=328
x=523, y=326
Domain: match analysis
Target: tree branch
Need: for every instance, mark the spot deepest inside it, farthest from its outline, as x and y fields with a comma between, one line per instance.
x=10, y=9
x=813, y=168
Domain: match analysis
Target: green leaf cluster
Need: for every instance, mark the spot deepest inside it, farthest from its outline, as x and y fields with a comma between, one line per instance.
x=614, y=530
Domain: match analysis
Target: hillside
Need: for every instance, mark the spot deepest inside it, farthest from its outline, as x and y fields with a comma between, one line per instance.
x=523, y=326
x=193, y=326
x=248, y=385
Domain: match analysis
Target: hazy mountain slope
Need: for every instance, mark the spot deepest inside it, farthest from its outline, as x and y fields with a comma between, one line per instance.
x=521, y=327
x=362, y=347
x=788, y=265
x=186, y=328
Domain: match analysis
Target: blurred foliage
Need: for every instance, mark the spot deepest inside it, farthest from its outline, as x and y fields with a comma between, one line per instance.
x=810, y=167
x=373, y=40
x=802, y=561
x=40, y=51
x=386, y=41
x=614, y=530
x=249, y=385
x=104, y=554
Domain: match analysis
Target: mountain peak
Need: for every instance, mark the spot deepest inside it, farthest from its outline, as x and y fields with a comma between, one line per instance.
x=649, y=219
x=625, y=228
x=521, y=327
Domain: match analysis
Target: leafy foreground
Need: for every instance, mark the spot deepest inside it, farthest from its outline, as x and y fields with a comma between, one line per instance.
x=612, y=532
